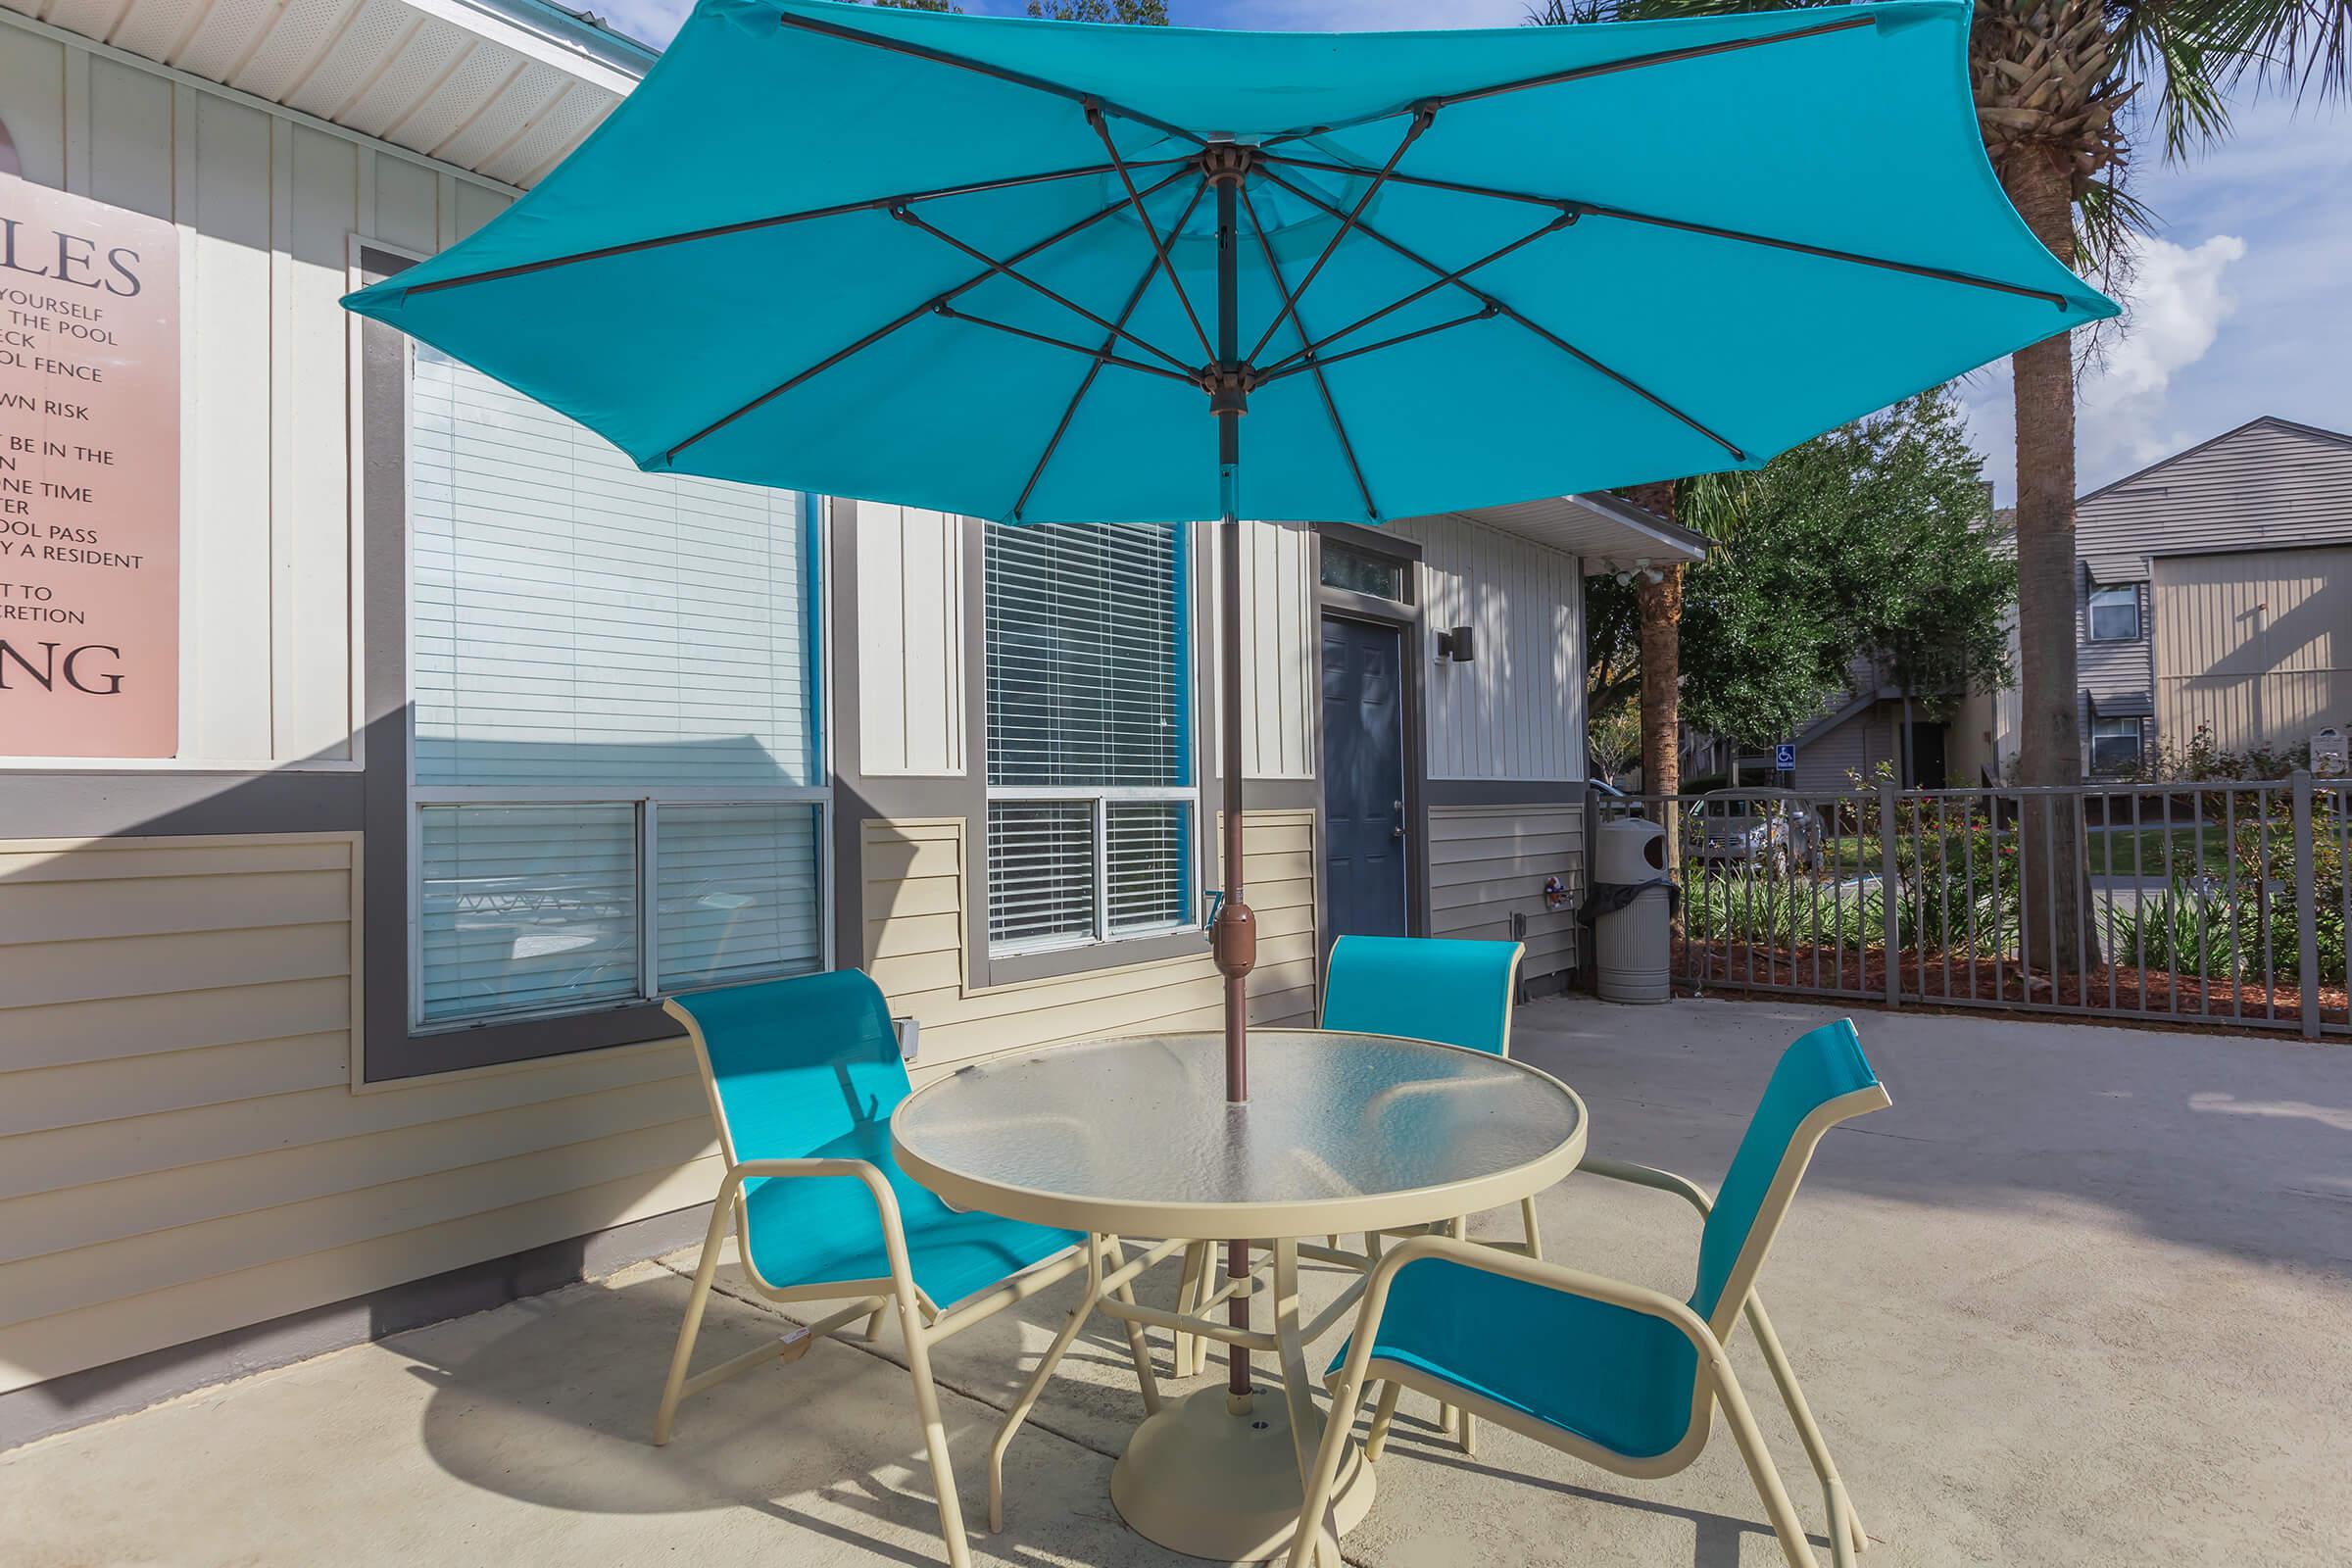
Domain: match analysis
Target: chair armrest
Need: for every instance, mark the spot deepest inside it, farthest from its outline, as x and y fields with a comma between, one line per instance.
x=1664, y=1181
x=1517, y=1265
x=886, y=1202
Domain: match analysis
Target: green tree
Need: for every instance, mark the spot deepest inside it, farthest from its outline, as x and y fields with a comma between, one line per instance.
x=1127, y=12
x=1873, y=540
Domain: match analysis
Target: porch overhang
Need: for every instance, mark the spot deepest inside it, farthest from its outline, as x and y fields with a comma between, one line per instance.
x=499, y=89
x=1607, y=534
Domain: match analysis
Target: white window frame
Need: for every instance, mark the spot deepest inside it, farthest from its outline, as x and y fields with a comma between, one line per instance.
x=2091, y=607
x=1102, y=796
x=817, y=523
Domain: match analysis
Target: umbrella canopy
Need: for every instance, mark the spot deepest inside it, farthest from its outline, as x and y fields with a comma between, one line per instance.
x=972, y=264
x=1012, y=269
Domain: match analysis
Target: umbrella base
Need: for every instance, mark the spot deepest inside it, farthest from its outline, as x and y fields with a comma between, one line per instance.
x=1200, y=1480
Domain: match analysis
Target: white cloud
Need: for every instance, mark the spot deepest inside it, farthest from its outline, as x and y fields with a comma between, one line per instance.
x=2178, y=303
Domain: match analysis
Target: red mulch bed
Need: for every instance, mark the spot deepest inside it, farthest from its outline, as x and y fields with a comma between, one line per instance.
x=2156, y=996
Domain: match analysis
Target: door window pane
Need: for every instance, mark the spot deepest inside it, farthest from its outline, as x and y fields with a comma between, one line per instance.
x=738, y=890
x=1362, y=571
x=524, y=908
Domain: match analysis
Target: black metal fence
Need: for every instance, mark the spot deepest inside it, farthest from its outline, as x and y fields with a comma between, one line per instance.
x=2219, y=902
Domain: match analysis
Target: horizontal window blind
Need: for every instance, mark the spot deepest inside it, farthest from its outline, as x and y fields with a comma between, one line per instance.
x=1086, y=655
x=524, y=908
x=1040, y=872
x=578, y=622
x=738, y=890
x=1151, y=861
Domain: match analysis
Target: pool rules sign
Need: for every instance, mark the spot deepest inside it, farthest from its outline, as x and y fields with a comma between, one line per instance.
x=90, y=477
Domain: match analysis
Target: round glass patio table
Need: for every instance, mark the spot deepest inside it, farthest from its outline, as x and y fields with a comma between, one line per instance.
x=1342, y=1132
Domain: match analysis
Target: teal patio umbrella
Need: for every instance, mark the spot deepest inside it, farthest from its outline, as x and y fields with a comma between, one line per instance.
x=1045, y=272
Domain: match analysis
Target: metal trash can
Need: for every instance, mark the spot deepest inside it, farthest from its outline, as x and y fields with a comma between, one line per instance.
x=1631, y=911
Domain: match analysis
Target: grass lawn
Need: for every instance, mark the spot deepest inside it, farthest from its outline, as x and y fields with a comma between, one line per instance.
x=2113, y=853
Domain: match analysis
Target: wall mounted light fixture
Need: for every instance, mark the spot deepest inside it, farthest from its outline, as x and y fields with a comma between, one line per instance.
x=1459, y=645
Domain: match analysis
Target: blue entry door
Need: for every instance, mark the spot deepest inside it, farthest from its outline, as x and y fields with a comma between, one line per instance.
x=1363, y=778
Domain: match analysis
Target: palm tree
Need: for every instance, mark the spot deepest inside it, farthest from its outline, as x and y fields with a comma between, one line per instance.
x=2051, y=80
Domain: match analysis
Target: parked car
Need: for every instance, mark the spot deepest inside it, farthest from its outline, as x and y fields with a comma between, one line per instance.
x=1754, y=830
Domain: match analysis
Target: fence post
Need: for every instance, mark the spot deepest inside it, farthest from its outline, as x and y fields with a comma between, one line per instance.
x=2307, y=916
x=1889, y=889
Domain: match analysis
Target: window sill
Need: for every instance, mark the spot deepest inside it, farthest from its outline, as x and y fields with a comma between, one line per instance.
x=1086, y=957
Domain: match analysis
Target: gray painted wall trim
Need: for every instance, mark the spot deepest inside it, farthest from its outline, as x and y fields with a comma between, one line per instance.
x=100, y=805
x=136, y=1382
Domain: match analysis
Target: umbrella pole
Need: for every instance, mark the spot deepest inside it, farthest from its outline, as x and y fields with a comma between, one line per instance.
x=1235, y=940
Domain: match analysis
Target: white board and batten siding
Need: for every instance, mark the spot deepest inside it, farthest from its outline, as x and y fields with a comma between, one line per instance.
x=266, y=207
x=912, y=640
x=1513, y=715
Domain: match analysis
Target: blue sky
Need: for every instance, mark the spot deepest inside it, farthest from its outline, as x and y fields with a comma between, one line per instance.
x=2240, y=304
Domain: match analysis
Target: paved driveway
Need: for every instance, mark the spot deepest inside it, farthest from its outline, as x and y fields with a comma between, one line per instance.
x=2081, y=1296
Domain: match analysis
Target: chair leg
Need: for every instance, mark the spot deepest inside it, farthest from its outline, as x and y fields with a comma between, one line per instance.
x=874, y=1325
x=1808, y=1431
x=1766, y=1476
x=665, y=1417
x=1136, y=1350
x=1383, y=1413
x=1534, y=1236
x=935, y=1431
x=1029, y=1396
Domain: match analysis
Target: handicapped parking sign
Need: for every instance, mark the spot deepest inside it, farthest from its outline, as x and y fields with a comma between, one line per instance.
x=1783, y=756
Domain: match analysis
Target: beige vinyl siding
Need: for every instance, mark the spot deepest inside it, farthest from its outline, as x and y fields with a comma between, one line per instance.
x=182, y=1152
x=920, y=879
x=2255, y=645
x=1516, y=711
x=1488, y=862
x=266, y=209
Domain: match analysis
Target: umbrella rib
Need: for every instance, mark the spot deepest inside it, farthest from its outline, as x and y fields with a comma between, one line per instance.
x=1159, y=250
x=1331, y=409
x=1543, y=332
x=1007, y=269
x=1099, y=355
x=773, y=220
x=1457, y=275
x=1087, y=383
x=834, y=29
x=1316, y=362
x=1605, y=68
x=946, y=296
x=1585, y=209
x=1289, y=305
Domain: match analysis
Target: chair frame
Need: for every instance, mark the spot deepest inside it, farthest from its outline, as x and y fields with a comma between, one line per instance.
x=922, y=1322
x=1714, y=1383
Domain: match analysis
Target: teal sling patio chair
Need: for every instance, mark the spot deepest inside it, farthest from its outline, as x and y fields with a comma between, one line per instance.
x=803, y=1076
x=1620, y=1375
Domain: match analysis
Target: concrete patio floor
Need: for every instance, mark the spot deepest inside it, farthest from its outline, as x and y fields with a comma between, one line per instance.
x=2083, y=1295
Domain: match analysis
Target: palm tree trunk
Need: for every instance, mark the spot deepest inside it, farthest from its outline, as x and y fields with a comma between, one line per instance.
x=1661, y=607
x=2049, y=734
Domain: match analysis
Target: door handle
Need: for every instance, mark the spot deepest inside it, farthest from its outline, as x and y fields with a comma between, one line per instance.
x=1397, y=831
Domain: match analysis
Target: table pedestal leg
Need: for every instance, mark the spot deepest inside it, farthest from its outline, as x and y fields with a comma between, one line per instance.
x=1211, y=1481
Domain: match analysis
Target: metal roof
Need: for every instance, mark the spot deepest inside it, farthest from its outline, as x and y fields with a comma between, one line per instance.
x=503, y=89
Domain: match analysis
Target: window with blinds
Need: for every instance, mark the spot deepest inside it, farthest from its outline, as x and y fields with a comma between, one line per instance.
x=1092, y=799
x=616, y=772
